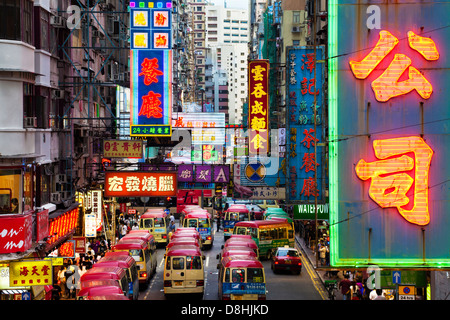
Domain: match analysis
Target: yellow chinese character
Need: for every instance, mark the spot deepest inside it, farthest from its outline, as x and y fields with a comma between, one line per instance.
x=258, y=91
x=140, y=41
x=258, y=123
x=257, y=70
x=258, y=142
x=258, y=108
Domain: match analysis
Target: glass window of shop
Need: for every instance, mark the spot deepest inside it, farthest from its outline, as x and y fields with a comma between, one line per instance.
x=10, y=186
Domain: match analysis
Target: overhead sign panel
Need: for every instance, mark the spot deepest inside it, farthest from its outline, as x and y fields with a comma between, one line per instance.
x=140, y=184
x=388, y=138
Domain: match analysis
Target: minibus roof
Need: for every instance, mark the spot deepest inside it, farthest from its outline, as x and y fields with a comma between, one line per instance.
x=100, y=291
x=244, y=240
x=241, y=236
x=238, y=251
x=186, y=229
x=122, y=261
x=117, y=253
x=195, y=215
x=183, y=241
x=184, y=250
x=185, y=234
x=142, y=236
x=238, y=209
x=99, y=273
x=150, y=215
x=130, y=244
x=108, y=297
x=241, y=262
x=240, y=244
x=258, y=223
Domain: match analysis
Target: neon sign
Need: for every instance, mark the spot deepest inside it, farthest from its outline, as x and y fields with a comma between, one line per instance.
x=387, y=85
x=389, y=180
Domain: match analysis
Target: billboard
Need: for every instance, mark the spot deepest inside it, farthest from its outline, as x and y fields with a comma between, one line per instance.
x=258, y=101
x=151, y=93
x=122, y=149
x=304, y=134
x=140, y=184
x=207, y=128
x=388, y=133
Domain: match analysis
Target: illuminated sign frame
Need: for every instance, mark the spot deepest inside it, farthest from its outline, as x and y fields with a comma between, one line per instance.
x=362, y=232
x=258, y=105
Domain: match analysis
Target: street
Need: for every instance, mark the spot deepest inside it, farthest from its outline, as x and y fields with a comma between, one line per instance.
x=280, y=286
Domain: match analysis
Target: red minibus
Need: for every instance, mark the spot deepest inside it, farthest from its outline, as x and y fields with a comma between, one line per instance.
x=101, y=291
x=99, y=276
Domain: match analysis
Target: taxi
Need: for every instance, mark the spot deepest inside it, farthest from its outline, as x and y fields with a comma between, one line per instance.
x=286, y=258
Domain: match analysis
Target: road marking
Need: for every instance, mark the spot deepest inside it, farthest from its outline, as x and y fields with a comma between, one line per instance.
x=315, y=279
x=207, y=261
x=161, y=263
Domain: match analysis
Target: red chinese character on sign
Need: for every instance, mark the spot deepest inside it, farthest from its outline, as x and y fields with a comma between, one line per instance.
x=309, y=139
x=150, y=106
x=34, y=271
x=310, y=188
x=179, y=122
x=125, y=146
x=136, y=146
x=161, y=41
x=45, y=270
x=388, y=85
x=149, y=71
x=115, y=146
x=308, y=60
x=24, y=271
x=309, y=162
x=160, y=19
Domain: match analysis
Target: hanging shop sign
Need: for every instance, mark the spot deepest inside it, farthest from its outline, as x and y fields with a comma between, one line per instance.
x=206, y=128
x=62, y=225
x=30, y=273
x=308, y=211
x=203, y=173
x=305, y=120
x=122, y=149
x=258, y=97
x=151, y=93
x=140, y=184
x=15, y=233
x=97, y=207
x=150, y=25
x=388, y=155
x=41, y=225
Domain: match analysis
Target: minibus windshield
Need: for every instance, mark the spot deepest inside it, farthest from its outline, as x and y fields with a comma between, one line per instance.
x=159, y=222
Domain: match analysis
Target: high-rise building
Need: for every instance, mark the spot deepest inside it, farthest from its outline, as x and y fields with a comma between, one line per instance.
x=227, y=34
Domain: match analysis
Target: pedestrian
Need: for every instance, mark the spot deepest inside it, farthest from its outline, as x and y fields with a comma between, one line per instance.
x=344, y=285
x=218, y=221
x=323, y=254
x=135, y=226
x=62, y=280
x=252, y=214
x=56, y=292
x=123, y=230
x=356, y=291
x=172, y=227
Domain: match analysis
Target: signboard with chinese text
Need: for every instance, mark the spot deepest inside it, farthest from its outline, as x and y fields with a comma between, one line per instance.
x=122, y=149
x=150, y=28
x=207, y=128
x=151, y=93
x=258, y=97
x=30, y=273
x=62, y=225
x=97, y=207
x=140, y=184
x=304, y=123
x=203, y=173
x=388, y=137
x=41, y=224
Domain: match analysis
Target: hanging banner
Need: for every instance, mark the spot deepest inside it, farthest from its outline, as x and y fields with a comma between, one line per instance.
x=258, y=97
x=15, y=233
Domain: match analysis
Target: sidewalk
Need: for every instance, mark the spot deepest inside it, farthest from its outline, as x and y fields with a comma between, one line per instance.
x=322, y=274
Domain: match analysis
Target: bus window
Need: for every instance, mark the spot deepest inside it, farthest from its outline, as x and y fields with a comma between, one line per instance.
x=193, y=263
x=254, y=233
x=159, y=222
x=192, y=223
x=291, y=233
x=148, y=223
x=265, y=235
x=227, y=275
x=168, y=263
x=241, y=231
x=255, y=275
x=238, y=275
x=178, y=263
x=137, y=255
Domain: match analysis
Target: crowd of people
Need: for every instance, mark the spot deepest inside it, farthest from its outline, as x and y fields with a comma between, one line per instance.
x=356, y=289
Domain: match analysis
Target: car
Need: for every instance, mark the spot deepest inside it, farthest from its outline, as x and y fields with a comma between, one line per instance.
x=286, y=258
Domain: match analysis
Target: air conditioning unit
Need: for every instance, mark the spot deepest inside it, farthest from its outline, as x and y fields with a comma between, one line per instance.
x=60, y=178
x=30, y=122
x=58, y=94
x=57, y=21
x=55, y=197
x=296, y=29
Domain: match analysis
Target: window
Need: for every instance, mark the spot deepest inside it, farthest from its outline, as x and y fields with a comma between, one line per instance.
x=178, y=263
x=44, y=34
x=255, y=275
x=295, y=16
x=193, y=263
x=148, y=223
x=10, y=18
x=237, y=275
x=10, y=195
x=28, y=100
x=159, y=222
x=27, y=20
x=296, y=42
